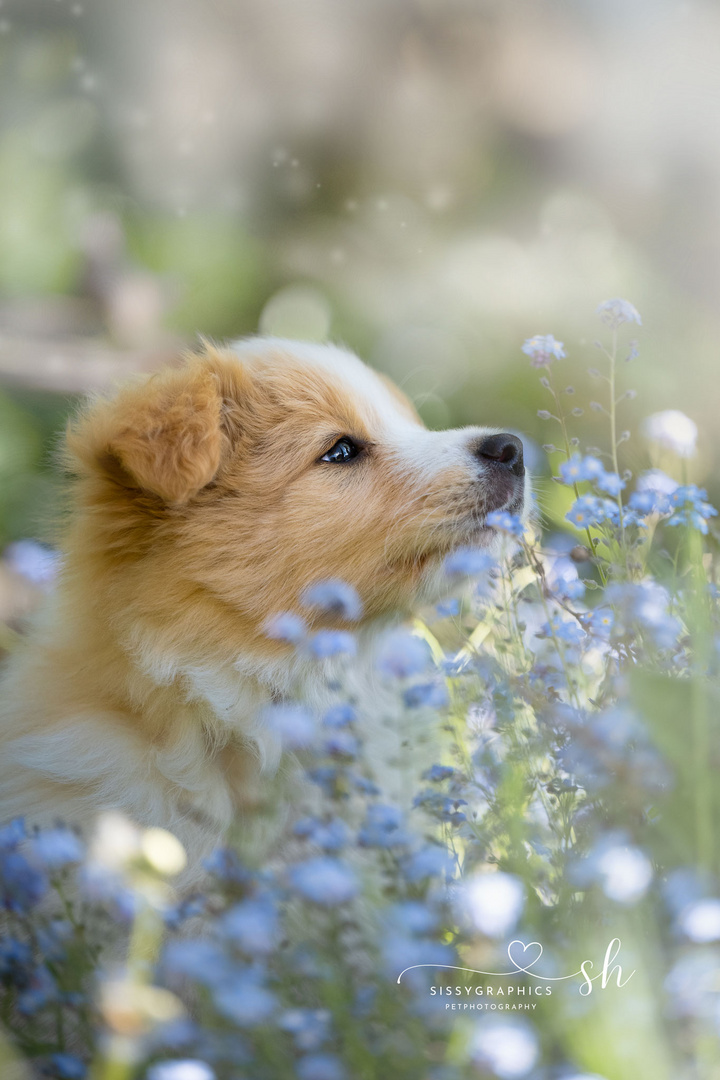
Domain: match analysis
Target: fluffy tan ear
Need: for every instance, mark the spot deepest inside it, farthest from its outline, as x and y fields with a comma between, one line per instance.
x=163, y=436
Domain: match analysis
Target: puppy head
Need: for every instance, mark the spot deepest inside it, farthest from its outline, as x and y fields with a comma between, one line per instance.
x=233, y=483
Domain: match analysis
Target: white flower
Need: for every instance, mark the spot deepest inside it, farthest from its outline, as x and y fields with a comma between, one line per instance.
x=701, y=921
x=181, y=1070
x=116, y=841
x=656, y=480
x=672, y=430
x=163, y=851
x=509, y=1048
x=626, y=873
x=651, y=603
x=493, y=902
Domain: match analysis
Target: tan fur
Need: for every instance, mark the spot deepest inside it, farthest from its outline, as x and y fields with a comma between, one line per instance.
x=200, y=509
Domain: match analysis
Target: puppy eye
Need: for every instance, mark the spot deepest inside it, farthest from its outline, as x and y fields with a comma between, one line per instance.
x=343, y=450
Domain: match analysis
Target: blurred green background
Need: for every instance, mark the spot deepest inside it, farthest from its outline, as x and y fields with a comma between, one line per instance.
x=429, y=181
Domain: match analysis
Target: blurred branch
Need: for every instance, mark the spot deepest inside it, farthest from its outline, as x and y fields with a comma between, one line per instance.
x=76, y=364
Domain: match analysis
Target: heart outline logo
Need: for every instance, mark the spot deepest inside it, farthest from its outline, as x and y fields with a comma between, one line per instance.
x=524, y=966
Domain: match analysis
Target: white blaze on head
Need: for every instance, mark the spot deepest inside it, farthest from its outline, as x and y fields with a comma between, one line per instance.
x=411, y=446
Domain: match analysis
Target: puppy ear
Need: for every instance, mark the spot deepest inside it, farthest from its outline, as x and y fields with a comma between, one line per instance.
x=163, y=436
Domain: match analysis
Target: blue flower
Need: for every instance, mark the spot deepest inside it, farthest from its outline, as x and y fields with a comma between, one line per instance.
x=443, y=807
x=22, y=886
x=310, y=1028
x=401, y=950
x=39, y=991
x=591, y=510
x=691, y=518
x=52, y=939
x=432, y=694
x=330, y=835
x=324, y=880
x=58, y=847
x=365, y=997
x=293, y=723
x=253, y=925
x=453, y=667
x=339, y=716
x=468, y=561
x=630, y=517
x=320, y=1067
x=592, y=467
x=332, y=643
x=103, y=885
x=687, y=495
x=439, y=772
x=326, y=777
x=649, y=502
x=610, y=483
x=578, y=468
x=691, y=507
x=585, y=511
x=690, y=986
x=608, y=742
x=617, y=311
x=411, y=916
x=34, y=561
x=601, y=622
x=429, y=861
x=683, y=887
x=12, y=834
x=448, y=608
x=648, y=604
x=650, y=609
x=543, y=349
x=571, y=588
x=334, y=598
x=505, y=522
x=342, y=744
x=244, y=999
x=382, y=828
x=402, y=654
x=563, y=629
x=363, y=784
x=15, y=960
x=225, y=864
x=67, y=1067
x=187, y=908
x=199, y=959
x=286, y=627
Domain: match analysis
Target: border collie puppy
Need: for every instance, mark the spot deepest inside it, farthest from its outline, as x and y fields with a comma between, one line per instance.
x=206, y=499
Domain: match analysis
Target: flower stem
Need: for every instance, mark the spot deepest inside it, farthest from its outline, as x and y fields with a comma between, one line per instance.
x=568, y=454
x=612, y=356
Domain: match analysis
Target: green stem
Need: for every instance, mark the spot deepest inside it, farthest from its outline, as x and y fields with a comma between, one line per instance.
x=614, y=443
x=701, y=632
x=568, y=454
x=556, y=640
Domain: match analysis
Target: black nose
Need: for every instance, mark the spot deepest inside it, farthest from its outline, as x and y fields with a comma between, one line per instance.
x=505, y=450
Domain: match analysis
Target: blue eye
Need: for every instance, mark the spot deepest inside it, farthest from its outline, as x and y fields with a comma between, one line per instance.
x=343, y=450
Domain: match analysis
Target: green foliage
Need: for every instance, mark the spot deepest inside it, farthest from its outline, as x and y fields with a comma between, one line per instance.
x=214, y=272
